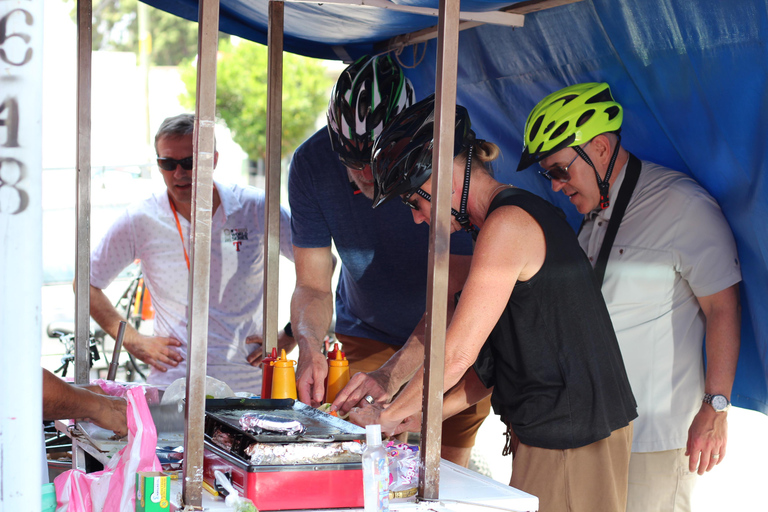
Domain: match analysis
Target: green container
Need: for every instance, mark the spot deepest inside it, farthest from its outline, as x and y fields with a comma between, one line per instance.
x=49, y=498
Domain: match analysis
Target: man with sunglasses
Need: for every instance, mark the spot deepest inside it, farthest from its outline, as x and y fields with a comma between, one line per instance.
x=381, y=294
x=157, y=232
x=667, y=261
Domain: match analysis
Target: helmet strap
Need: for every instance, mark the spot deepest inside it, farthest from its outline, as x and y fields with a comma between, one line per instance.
x=460, y=215
x=602, y=183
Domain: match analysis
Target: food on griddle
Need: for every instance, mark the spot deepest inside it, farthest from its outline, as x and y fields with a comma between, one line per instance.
x=222, y=438
x=269, y=454
x=259, y=423
x=326, y=408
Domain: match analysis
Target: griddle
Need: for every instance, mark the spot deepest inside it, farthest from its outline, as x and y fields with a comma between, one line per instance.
x=320, y=427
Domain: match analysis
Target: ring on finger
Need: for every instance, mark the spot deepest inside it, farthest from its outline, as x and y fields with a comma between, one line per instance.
x=369, y=399
x=715, y=455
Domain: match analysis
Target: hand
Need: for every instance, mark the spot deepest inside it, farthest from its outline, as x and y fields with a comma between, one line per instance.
x=110, y=413
x=359, y=386
x=284, y=342
x=374, y=414
x=707, y=439
x=156, y=351
x=410, y=424
x=310, y=377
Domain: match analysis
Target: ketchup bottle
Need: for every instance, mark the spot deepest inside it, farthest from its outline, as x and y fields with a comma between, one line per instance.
x=266, y=373
x=330, y=356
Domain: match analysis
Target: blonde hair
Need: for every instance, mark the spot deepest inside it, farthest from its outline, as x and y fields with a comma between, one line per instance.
x=483, y=153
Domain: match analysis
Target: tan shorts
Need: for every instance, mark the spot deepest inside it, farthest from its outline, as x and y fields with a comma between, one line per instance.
x=366, y=355
x=592, y=478
x=660, y=481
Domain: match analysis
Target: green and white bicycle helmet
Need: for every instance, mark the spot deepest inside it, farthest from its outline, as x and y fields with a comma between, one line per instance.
x=368, y=94
x=569, y=117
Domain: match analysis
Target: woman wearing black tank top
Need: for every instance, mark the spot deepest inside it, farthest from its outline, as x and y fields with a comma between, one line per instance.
x=531, y=328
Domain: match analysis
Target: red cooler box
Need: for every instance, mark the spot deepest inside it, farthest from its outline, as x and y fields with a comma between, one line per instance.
x=320, y=468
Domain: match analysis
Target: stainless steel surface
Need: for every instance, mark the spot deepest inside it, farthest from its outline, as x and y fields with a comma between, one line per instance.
x=168, y=418
x=200, y=239
x=439, y=246
x=273, y=172
x=83, y=246
x=112, y=372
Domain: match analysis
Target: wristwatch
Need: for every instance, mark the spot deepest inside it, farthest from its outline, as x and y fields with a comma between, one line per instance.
x=718, y=402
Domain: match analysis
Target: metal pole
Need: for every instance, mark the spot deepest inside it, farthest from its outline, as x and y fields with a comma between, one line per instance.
x=439, y=246
x=200, y=257
x=274, y=141
x=21, y=262
x=83, y=248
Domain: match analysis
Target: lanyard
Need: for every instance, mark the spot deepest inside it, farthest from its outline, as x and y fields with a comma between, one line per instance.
x=619, y=208
x=178, y=226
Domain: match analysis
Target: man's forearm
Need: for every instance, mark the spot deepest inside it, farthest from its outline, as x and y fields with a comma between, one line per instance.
x=311, y=315
x=108, y=318
x=722, y=339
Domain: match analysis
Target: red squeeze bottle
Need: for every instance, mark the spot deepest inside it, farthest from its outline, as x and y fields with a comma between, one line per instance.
x=266, y=375
x=330, y=356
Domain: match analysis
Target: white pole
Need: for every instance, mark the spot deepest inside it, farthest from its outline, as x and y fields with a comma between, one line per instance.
x=21, y=262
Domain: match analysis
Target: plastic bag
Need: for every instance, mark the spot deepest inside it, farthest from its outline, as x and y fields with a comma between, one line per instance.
x=214, y=388
x=233, y=500
x=114, y=388
x=113, y=489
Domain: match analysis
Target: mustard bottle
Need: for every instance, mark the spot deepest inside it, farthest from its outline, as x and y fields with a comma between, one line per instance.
x=338, y=376
x=284, y=377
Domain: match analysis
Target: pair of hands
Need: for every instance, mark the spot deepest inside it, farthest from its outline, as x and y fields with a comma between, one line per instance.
x=160, y=352
x=310, y=384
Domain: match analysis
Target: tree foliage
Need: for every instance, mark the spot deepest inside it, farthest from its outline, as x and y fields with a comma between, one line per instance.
x=241, y=95
x=116, y=27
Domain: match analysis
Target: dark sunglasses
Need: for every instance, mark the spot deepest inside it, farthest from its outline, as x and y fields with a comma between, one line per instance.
x=169, y=164
x=355, y=165
x=560, y=173
x=414, y=206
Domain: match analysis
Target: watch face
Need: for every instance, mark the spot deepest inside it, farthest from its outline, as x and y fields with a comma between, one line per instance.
x=719, y=402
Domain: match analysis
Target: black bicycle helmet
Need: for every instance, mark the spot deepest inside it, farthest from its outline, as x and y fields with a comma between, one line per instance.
x=402, y=154
x=367, y=96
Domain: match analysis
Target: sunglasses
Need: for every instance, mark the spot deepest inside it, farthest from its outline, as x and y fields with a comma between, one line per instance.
x=414, y=206
x=560, y=173
x=169, y=164
x=355, y=165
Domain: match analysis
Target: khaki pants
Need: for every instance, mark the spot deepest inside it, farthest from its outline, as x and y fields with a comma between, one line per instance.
x=366, y=355
x=592, y=478
x=660, y=482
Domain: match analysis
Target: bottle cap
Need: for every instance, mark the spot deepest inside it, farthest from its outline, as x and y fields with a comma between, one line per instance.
x=284, y=362
x=373, y=435
x=339, y=359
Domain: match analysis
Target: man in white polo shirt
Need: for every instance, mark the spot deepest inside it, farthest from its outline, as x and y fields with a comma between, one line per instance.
x=157, y=232
x=667, y=261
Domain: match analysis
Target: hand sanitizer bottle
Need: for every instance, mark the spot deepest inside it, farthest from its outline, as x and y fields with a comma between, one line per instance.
x=375, y=472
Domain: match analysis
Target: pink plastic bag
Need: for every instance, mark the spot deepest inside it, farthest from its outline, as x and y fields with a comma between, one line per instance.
x=113, y=489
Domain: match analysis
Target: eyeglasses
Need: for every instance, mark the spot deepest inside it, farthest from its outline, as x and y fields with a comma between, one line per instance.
x=560, y=173
x=355, y=165
x=169, y=164
x=414, y=206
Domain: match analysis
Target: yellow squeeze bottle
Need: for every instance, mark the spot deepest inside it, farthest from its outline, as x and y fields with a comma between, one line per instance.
x=338, y=376
x=284, y=378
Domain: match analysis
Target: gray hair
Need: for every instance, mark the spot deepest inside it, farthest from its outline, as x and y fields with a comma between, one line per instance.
x=178, y=126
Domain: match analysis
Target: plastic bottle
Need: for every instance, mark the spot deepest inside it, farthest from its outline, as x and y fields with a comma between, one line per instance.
x=284, y=377
x=338, y=376
x=375, y=472
x=266, y=375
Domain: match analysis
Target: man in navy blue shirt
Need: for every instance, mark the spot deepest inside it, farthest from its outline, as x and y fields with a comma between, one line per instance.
x=381, y=294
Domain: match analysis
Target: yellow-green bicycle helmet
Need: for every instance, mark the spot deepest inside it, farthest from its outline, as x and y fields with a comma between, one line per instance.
x=569, y=117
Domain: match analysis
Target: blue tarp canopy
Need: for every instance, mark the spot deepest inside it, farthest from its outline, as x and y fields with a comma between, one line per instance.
x=692, y=77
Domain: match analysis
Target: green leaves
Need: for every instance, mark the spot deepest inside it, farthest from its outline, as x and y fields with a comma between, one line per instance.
x=242, y=95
